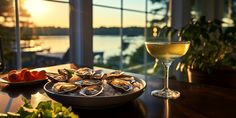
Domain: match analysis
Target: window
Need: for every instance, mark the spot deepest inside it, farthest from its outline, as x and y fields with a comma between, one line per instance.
x=120, y=29
x=121, y=26
x=47, y=40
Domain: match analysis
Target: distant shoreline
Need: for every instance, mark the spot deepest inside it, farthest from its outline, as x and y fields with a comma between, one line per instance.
x=127, y=31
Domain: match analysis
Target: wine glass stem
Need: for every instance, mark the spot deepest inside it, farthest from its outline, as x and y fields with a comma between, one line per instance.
x=166, y=80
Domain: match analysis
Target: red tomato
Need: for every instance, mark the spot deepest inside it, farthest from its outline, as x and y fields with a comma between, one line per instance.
x=20, y=77
x=34, y=74
x=22, y=72
x=12, y=72
x=13, y=77
x=41, y=74
x=27, y=76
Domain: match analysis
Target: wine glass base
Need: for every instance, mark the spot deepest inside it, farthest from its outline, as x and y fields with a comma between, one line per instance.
x=166, y=93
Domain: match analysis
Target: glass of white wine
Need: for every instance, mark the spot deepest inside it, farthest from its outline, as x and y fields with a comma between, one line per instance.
x=166, y=51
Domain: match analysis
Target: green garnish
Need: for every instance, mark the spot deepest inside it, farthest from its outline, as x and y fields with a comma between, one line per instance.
x=45, y=109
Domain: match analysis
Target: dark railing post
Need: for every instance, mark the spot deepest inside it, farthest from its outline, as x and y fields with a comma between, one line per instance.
x=81, y=32
x=17, y=33
x=145, y=39
x=121, y=35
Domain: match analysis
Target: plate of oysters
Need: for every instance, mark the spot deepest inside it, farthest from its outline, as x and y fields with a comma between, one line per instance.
x=92, y=89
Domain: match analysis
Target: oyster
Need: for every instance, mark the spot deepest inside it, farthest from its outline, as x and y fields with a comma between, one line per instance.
x=91, y=90
x=98, y=74
x=62, y=72
x=74, y=79
x=65, y=73
x=123, y=85
x=88, y=82
x=54, y=77
x=117, y=73
x=84, y=72
x=63, y=87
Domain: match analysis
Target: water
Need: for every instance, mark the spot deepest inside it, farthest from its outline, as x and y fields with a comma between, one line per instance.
x=110, y=45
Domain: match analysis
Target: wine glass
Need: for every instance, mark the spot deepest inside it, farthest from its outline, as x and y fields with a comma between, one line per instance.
x=166, y=51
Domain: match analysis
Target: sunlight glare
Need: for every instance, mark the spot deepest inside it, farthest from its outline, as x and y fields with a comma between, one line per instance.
x=34, y=7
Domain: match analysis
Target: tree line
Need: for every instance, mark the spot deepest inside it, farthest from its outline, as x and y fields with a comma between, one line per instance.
x=128, y=31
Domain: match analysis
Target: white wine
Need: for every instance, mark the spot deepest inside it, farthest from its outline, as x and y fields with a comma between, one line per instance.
x=167, y=50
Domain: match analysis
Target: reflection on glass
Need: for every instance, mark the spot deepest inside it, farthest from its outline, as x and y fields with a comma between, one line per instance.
x=141, y=108
x=166, y=108
x=166, y=51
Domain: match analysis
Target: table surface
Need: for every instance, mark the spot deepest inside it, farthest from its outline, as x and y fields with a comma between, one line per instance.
x=196, y=101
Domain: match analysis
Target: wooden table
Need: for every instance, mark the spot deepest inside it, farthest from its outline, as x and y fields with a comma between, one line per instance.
x=196, y=101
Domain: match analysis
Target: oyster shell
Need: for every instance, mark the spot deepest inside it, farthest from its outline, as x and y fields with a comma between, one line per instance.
x=98, y=74
x=117, y=73
x=88, y=82
x=91, y=90
x=54, y=77
x=84, y=72
x=63, y=87
x=120, y=84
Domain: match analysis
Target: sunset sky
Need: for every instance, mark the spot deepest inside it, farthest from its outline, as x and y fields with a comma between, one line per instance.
x=45, y=13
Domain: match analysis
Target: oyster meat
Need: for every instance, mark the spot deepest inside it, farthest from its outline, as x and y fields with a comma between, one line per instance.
x=127, y=78
x=120, y=84
x=91, y=90
x=63, y=87
x=88, y=82
x=84, y=72
x=54, y=77
x=117, y=73
x=74, y=79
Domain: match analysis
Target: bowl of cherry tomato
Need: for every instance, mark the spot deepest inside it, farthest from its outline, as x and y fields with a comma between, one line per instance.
x=24, y=77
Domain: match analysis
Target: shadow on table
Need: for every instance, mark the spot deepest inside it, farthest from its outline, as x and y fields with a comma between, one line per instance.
x=26, y=91
x=134, y=109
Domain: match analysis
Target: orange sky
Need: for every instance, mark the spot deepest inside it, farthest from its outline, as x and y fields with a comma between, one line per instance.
x=44, y=13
